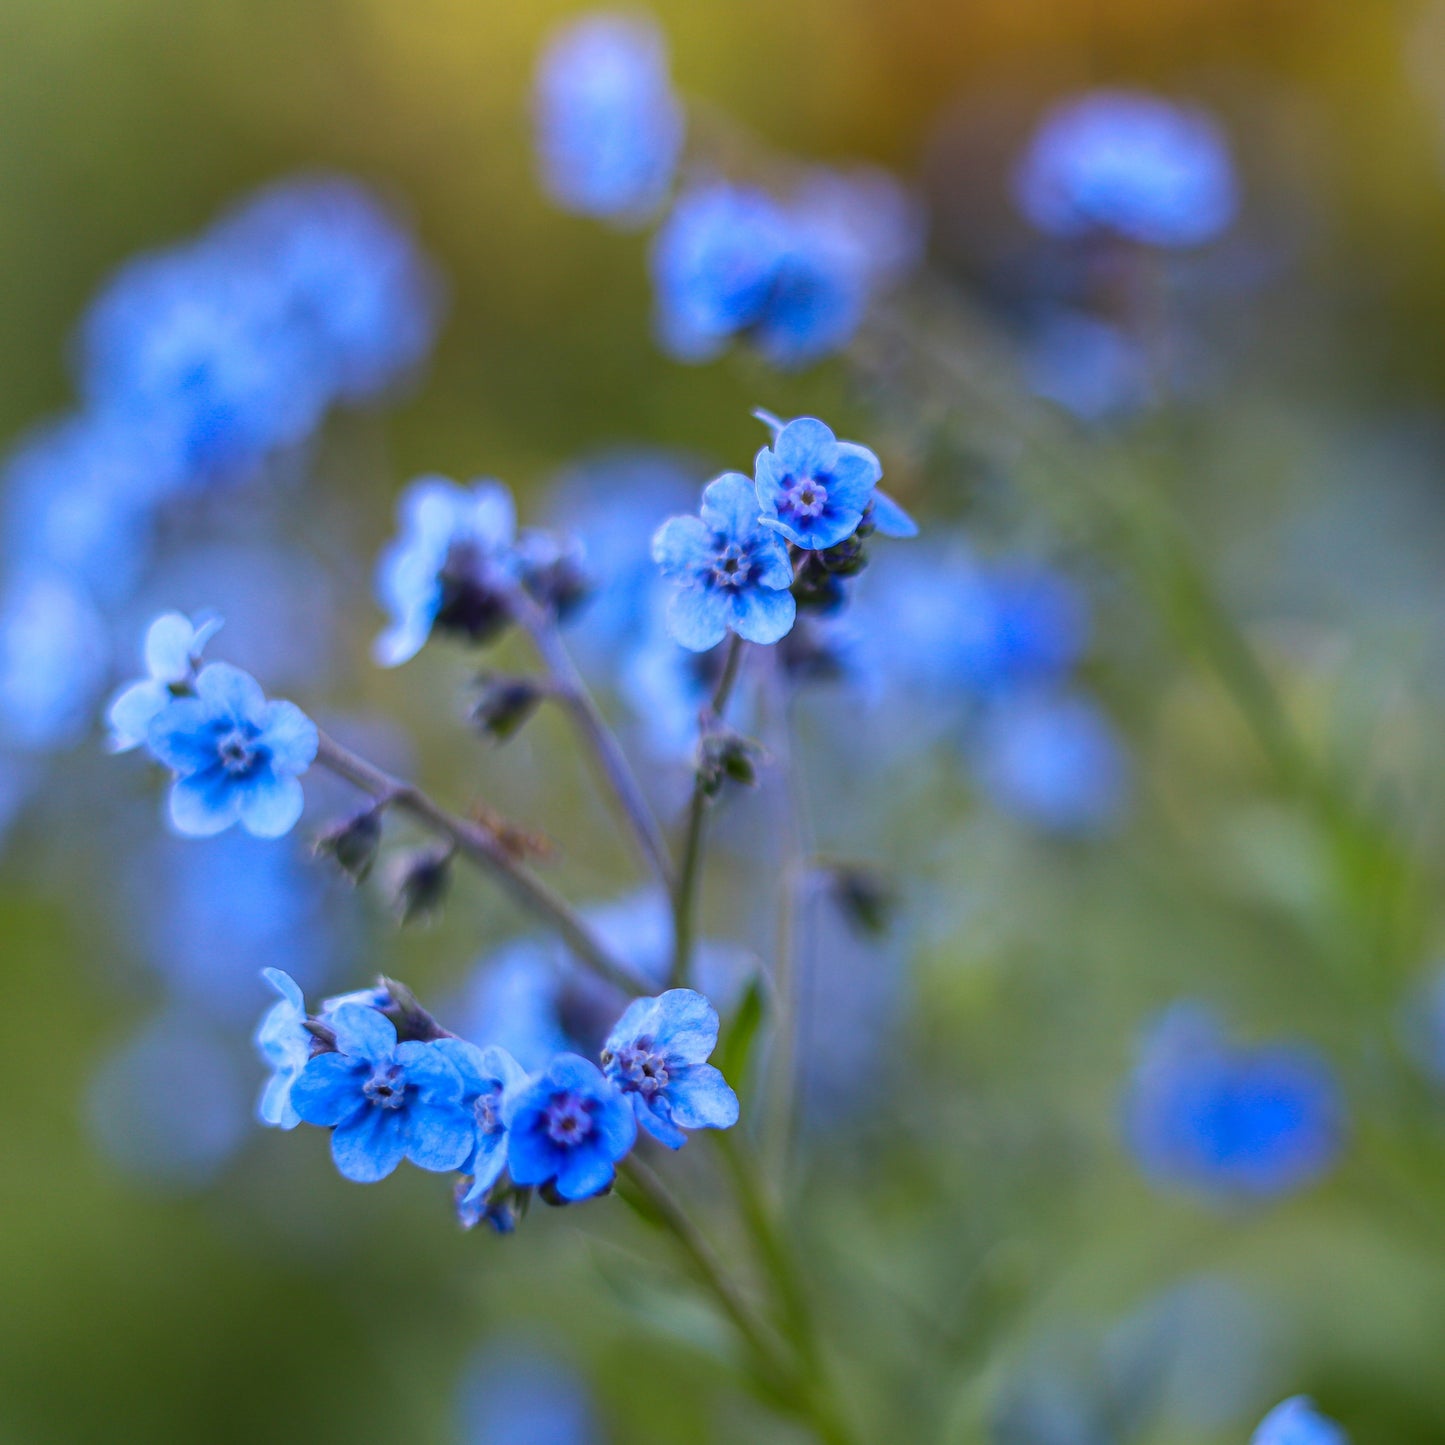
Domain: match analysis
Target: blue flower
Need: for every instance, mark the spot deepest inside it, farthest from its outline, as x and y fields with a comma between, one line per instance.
x=487, y=1075
x=385, y=1101
x=813, y=488
x=1086, y=366
x=284, y=1042
x=1227, y=1121
x=657, y=1054
x=567, y=1127
x=452, y=566
x=1297, y=1422
x=609, y=128
x=516, y=1392
x=236, y=756
x=732, y=572
x=1131, y=163
x=173, y=649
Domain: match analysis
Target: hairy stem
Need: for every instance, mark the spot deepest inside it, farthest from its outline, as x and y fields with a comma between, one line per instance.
x=483, y=847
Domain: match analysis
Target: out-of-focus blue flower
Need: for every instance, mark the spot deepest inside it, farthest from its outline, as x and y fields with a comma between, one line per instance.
x=1026, y=626
x=350, y=281
x=53, y=658
x=236, y=756
x=732, y=572
x=1053, y=760
x=487, y=1075
x=284, y=1043
x=514, y=1000
x=657, y=1054
x=1228, y=1121
x=451, y=567
x=609, y=128
x=813, y=488
x=518, y=1394
x=1085, y=366
x=173, y=649
x=1131, y=163
x=384, y=1101
x=667, y=687
x=171, y=1105
x=568, y=1127
x=870, y=213
x=731, y=261
x=1297, y=1422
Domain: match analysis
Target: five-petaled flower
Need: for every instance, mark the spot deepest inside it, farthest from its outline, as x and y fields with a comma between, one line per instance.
x=173, y=648
x=284, y=1042
x=813, y=488
x=385, y=1101
x=733, y=573
x=452, y=566
x=236, y=756
x=487, y=1076
x=567, y=1127
x=657, y=1055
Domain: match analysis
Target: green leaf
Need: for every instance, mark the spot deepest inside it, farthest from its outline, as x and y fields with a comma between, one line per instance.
x=735, y=1052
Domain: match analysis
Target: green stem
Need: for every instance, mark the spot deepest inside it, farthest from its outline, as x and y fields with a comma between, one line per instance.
x=685, y=888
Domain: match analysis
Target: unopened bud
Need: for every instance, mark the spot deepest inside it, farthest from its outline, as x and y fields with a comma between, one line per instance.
x=352, y=843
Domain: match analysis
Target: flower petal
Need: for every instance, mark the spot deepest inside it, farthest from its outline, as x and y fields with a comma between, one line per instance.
x=697, y=618
x=657, y=1124
x=806, y=448
x=683, y=548
x=430, y=1070
x=439, y=1137
x=290, y=735
x=328, y=1090
x=700, y=1098
x=286, y=986
x=227, y=690
x=170, y=642
x=890, y=519
x=532, y=1157
x=362, y=1033
x=584, y=1172
x=638, y=1018
x=270, y=806
x=685, y=1026
x=764, y=617
x=730, y=506
x=204, y=804
x=181, y=735
x=130, y=715
x=369, y=1146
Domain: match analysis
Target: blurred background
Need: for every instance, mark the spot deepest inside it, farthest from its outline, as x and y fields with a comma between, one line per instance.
x=1122, y=1109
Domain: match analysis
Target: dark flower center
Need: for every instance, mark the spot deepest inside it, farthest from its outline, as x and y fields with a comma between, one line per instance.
x=474, y=601
x=568, y=1120
x=640, y=1068
x=731, y=567
x=487, y=1110
x=806, y=497
x=386, y=1088
x=237, y=749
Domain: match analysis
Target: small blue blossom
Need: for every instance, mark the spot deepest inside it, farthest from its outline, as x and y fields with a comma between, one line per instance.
x=236, y=756
x=1130, y=163
x=173, y=649
x=520, y=1393
x=487, y=1076
x=732, y=572
x=568, y=1127
x=452, y=567
x=609, y=128
x=813, y=488
x=1086, y=366
x=657, y=1055
x=1228, y=1121
x=385, y=1101
x=284, y=1043
x=1297, y=1422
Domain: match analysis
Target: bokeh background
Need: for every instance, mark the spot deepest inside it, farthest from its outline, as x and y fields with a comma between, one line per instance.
x=993, y=1257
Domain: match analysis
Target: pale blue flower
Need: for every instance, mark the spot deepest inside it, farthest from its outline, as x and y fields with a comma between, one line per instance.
x=1297, y=1422
x=488, y=1075
x=812, y=488
x=284, y=1043
x=173, y=648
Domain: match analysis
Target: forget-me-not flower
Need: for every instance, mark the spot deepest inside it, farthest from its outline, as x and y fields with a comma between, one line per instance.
x=284, y=1043
x=173, y=648
x=384, y=1100
x=1297, y=1422
x=1230, y=1122
x=609, y=128
x=732, y=572
x=452, y=567
x=813, y=488
x=1130, y=163
x=236, y=756
x=487, y=1075
x=657, y=1054
x=568, y=1127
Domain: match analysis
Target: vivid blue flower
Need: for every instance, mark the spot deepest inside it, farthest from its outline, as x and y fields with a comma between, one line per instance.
x=349, y=279
x=385, y=1101
x=813, y=488
x=657, y=1054
x=567, y=1127
x=1053, y=761
x=53, y=659
x=1130, y=163
x=487, y=1075
x=732, y=572
x=1297, y=1422
x=284, y=1043
x=817, y=298
x=451, y=567
x=1229, y=1121
x=236, y=756
x=173, y=649
x=609, y=128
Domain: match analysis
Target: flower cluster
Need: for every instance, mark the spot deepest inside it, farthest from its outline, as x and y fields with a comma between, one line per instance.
x=391, y=1084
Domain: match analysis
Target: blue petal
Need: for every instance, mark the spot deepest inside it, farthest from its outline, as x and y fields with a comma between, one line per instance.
x=286, y=986
x=584, y=1172
x=401, y=642
x=205, y=804
x=130, y=715
x=683, y=548
x=169, y=645
x=290, y=735
x=730, y=506
x=806, y=447
x=818, y=533
x=697, y=618
x=571, y=1071
x=226, y=690
x=438, y=1136
x=660, y=1127
x=180, y=736
x=486, y=1167
x=466, y=1059
x=369, y=1146
x=770, y=479
x=532, y=1157
x=270, y=806
x=614, y=1121
x=363, y=1033
x=490, y=517
x=854, y=475
x=760, y=616
x=430, y=1070
x=890, y=519
x=684, y=1026
x=638, y=1019
x=274, y=1108
x=700, y=1098
x=770, y=556
x=328, y=1090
